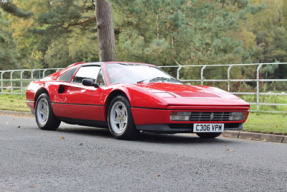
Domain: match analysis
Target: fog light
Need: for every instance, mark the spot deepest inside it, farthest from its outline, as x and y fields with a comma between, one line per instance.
x=180, y=116
x=237, y=116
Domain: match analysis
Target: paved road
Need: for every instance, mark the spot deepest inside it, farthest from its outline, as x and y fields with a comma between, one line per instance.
x=78, y=158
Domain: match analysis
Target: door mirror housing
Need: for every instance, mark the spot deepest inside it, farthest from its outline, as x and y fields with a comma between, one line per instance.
x=89, y=82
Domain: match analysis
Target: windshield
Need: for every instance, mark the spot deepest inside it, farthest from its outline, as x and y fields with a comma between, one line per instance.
x=136, y=73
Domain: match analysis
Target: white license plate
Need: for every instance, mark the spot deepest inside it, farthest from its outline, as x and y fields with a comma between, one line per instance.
x=206, y=128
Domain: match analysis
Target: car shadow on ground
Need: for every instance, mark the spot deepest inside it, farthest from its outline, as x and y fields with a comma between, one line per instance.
x=89, y=131
x=147, y=137
x=180, y=139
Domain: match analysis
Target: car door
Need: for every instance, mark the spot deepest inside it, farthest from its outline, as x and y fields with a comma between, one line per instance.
x=77, y=101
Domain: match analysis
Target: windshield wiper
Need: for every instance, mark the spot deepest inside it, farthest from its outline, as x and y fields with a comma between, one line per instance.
x=154, y=79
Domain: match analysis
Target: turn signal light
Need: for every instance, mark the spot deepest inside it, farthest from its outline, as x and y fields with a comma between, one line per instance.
x=237, y=116
x=180, y=116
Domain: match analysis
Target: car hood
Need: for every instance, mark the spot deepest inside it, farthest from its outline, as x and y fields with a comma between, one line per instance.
x=178, y=94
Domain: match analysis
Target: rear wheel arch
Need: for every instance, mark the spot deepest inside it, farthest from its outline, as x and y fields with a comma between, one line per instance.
x=44, y=115
x=39, y=92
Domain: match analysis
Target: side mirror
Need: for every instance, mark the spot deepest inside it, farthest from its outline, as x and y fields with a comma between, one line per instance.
x=89, y=82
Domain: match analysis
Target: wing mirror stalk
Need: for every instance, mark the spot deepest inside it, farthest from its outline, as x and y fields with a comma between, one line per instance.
x=90, y=82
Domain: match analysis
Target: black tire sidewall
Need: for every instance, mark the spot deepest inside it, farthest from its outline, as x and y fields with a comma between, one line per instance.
x=130, y=131
x=52, y=123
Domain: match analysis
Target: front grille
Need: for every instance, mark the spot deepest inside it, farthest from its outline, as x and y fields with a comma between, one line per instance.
x=209, y=116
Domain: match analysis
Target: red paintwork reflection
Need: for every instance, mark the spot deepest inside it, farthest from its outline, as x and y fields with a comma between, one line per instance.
x=151, y=102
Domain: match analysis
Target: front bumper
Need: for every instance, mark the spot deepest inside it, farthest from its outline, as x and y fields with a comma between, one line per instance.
x=182, y=128
x=158, y=120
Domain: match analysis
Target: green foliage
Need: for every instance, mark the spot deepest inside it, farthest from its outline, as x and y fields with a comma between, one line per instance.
x=163, y=32
x=72, y=48
x=190, y=32
x=63, y=26
x=11, y=8
x=271, y=37
x=8, y=54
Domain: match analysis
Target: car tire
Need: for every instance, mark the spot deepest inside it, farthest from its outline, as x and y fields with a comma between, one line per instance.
x=44, y=115
x=208, y=135
x=120, y=120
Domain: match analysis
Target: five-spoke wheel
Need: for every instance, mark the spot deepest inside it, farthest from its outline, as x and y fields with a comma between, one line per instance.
x=120, y=119
x=44, y=114
x=42, y=111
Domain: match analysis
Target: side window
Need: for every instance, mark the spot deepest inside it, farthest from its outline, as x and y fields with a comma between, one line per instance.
x=68, y=75
x=87, y=72
x=100, y=79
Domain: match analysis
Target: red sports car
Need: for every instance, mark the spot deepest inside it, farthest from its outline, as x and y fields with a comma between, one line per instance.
x=129, y=98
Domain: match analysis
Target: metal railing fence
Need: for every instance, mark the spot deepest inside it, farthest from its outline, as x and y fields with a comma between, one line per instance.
x=258, y=80
x=14, y=82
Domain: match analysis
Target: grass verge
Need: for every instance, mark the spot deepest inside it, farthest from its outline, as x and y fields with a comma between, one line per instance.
x=266, y=99
x=266, y=123
x=13, y=103
x=256, y=122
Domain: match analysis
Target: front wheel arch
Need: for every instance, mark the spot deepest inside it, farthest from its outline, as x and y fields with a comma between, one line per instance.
x=111, y=96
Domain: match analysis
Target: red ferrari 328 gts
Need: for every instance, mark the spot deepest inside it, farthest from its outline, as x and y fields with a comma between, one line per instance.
x=129, y=98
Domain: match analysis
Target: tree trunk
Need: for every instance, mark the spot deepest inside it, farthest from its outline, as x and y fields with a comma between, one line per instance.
x=106, y=35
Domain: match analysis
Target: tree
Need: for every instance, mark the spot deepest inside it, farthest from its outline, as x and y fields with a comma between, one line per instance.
x=11, y=8
x=185, y=31
x=269, y=28
x=64, y=23
x=8, y=54
x=56, y=36
x=163, y=32
x=106, y=35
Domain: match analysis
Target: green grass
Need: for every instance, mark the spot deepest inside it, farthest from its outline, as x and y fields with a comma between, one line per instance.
x=266, y=123
x=256, y=122
x=267, y=99
x=13, y=103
